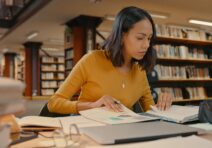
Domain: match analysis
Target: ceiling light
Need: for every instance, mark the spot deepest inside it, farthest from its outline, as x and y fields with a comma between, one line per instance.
x=154, y=15
x=50, y=49
x=95, y=1
x=4, y=50
x=160, y=16
x=200, y=22
x=56, y=41
x=32, y=35
x=110, y=17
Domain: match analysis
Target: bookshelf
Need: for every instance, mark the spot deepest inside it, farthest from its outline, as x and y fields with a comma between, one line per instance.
x=184, y=64
x=52, y=74
x=1, y=65
x=20, y=68
x=69, y=51
x=80, y=38
x=69, y=56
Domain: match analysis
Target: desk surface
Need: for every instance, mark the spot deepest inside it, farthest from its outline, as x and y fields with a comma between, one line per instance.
x=85, y=141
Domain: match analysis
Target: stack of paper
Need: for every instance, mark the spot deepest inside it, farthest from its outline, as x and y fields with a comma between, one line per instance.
x=10, y=89
x=5, y=135
x=11, y=96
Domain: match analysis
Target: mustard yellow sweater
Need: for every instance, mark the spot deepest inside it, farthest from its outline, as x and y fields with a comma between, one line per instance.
x=96, y=76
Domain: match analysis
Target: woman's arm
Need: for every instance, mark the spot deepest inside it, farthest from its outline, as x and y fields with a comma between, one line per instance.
x=61, y=101
x=106, y=100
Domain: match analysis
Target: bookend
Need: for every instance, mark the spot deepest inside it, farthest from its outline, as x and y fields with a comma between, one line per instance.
x=205, y=111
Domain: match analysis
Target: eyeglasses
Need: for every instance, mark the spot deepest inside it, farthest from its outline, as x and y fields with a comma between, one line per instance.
x=61, y=139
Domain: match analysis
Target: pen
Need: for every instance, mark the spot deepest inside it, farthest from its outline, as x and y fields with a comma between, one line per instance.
x=116, y=102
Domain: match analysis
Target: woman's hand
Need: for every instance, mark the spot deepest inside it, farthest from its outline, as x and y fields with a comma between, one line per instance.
x=164, y=101
x=109, y=102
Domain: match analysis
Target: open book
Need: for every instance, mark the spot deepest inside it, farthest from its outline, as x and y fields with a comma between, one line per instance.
x=106, y=116
x=39, y=123
x=177, y=113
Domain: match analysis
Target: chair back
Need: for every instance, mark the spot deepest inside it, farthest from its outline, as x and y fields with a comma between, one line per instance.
x=46, y=113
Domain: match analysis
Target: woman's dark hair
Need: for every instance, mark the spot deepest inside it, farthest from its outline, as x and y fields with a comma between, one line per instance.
x=124, y=21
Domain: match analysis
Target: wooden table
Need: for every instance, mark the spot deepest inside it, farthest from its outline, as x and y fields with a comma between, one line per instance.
x=84, y=141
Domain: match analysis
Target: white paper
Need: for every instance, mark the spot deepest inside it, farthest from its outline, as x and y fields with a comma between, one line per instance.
x=104, y=115
x=80, y=121
x=177, y=113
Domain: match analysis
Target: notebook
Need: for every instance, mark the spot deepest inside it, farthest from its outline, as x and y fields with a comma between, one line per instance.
x=135, y=132
x=106, y=116
x=37, y=123
x=176, y=113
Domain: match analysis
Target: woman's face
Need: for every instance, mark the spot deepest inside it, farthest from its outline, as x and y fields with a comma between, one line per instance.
x=136, y=41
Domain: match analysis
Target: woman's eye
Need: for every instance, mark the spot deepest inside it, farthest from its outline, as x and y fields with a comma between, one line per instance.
x=140, y=38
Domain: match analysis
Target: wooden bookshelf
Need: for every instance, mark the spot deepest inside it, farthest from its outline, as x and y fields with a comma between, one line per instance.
x=9, y=67
x=183, y=80
x=184, y=66
x=174, y=40
x=192, y=61
x=52, y=74
x=191, y=100
x=69, y=56
x=19, y=69
x=80, y=37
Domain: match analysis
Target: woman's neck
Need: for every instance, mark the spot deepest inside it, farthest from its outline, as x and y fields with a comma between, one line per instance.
x=125, y=68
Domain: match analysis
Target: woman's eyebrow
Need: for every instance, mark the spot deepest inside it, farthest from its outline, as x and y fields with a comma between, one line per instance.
x=144, y=34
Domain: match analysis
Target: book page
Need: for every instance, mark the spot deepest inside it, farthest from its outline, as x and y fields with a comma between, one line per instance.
x=176, y=113
x=39, y=121
x=80, y=121
x=104, y=115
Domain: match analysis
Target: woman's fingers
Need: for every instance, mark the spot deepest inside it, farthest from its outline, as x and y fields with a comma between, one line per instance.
x=164, y=101
x=112, y=104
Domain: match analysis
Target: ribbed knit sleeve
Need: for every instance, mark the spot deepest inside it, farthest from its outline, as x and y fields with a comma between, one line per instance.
x=61, y=101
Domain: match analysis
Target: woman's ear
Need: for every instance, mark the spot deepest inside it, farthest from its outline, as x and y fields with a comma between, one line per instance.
x=124, y=36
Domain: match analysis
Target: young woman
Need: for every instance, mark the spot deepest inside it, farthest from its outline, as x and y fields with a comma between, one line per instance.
x=117, y=73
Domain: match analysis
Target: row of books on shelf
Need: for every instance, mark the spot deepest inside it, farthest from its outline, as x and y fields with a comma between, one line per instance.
x=70, y=54
x=52, y=67
x=1, y=70
x=182, y=32
x=45, y=59
x=19, y=76
x=181, y=72
x=47, y=92
x=19, y=68
x=182, y=52
x=52, y=75
x=69, y=64
x=184, y=93
x=51, y=84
